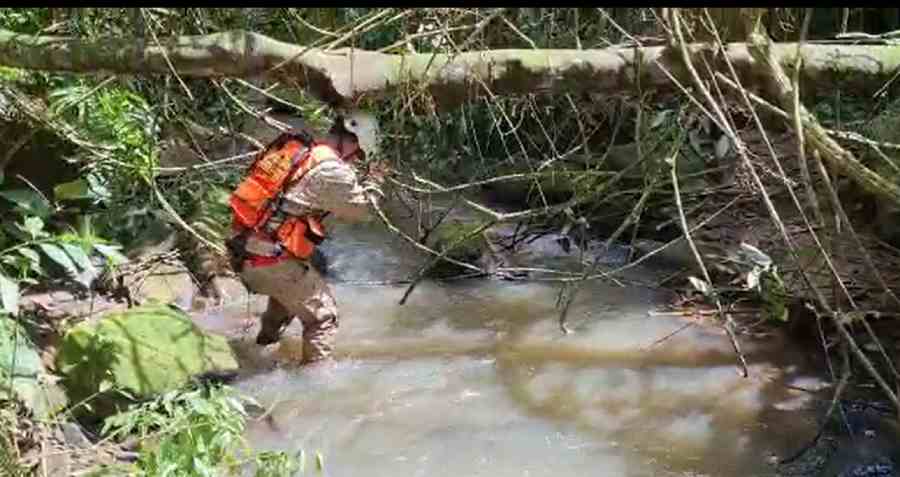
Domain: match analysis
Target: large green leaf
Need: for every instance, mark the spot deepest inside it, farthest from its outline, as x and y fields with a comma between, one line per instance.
x=9, y=295
x=78, y=255
x=58, y=255
x=146, y=350
x=28, y=201
x=88, y=271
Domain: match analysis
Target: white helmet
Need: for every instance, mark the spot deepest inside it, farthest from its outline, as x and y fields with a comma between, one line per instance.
x=365, y=127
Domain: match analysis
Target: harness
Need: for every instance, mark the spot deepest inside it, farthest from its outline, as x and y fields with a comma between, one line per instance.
x=256, y=202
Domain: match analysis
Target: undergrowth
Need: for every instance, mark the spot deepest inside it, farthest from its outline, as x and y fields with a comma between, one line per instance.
x=199, y=432
x=9, y=463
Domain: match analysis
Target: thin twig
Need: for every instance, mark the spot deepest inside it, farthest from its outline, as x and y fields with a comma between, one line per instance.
x=798, y=126
x=835, y=399
x=270, y=121
x=393, y=228
x=447, y=249
x=729, y=325
x=820, y=299
x=166, y=57
x=184, y=225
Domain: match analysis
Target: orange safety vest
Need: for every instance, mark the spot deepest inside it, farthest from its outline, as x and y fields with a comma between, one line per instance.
x=253, y=203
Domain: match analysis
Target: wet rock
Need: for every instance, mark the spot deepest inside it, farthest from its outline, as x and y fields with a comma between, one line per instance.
x=165, y=283
x=156, y=236
x=882, y=468
x=72, y=435
x=127, y=456
x=863, y=444
x=469, y=250
x=143, y=351
x=58, y=304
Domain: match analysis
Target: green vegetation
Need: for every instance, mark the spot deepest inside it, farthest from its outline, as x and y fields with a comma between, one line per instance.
x=98, y=165
x=198, y=432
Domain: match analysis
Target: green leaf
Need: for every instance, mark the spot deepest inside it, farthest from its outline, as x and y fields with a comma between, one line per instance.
x=111, y=252
x=74, y=190
x=59, y=256
x=89, y=273
x=9, y=295
x=320, y=462
x=30, y=254
x=34, y=227
x=79, y=256
x=28, y=201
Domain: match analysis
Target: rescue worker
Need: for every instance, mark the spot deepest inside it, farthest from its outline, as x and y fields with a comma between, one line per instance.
x=278, y=210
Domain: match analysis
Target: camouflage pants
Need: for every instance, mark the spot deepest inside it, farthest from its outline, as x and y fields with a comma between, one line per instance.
x=295, y=289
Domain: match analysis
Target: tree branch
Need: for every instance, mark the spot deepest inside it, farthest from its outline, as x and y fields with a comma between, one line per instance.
x=450, y=79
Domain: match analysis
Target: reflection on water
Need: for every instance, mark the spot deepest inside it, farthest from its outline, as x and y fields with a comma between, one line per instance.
x=474, y=378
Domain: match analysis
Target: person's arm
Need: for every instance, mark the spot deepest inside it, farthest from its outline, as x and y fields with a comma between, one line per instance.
x=332, y=186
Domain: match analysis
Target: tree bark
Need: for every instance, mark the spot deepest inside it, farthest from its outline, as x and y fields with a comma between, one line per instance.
x=340, y=76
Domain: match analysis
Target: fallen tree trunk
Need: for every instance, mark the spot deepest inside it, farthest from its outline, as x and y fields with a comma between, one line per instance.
x=339, y=76
x=763, y=51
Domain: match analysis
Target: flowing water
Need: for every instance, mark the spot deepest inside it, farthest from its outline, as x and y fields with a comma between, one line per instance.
x=473, y=377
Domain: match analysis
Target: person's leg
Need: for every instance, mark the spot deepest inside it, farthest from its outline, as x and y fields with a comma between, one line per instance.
x=296, y=289
x=278, y=283
x=274, y=320
x=320, y=322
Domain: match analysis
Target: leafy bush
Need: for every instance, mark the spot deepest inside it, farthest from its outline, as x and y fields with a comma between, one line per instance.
x=197, y=432
x=27, y=246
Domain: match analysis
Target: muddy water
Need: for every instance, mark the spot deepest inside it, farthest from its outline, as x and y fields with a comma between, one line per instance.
x=474, y=378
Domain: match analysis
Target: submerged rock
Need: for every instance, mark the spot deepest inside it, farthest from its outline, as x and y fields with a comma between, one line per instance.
x=466, y=247
x=143, y=351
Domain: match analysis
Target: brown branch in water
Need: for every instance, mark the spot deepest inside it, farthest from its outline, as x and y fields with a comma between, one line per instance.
x=573, y=288
x=497, y=179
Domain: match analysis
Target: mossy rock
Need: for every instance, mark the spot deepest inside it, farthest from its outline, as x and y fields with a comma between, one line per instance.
x=141, y=352
x=469, y=251
x=22, y=375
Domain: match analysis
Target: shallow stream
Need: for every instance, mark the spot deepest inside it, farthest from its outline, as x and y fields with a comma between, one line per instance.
x=473, y=377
